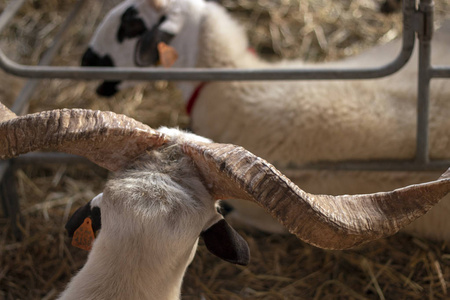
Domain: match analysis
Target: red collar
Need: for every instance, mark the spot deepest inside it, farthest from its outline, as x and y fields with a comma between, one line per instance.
x=191, y=102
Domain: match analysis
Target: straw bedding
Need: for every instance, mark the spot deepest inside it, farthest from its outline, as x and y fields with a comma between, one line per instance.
x=282, y=267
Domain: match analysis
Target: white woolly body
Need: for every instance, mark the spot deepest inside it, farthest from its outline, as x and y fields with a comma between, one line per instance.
x=152, y=215
x=308, y=121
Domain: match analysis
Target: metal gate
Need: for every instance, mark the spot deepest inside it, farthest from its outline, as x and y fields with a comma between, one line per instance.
x=417, y=20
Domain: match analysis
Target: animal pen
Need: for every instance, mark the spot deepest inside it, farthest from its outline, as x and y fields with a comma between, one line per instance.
x=417, y=21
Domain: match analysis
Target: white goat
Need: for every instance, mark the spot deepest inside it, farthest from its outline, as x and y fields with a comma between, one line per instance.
x=289, y=122
x=163, y=198
x=151, y=218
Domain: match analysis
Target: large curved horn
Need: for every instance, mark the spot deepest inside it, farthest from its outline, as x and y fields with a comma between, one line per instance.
x=108, y=139
x=325, y=221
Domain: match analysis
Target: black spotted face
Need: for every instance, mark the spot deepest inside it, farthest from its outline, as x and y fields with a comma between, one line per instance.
x=124, y=40
x=146, y=51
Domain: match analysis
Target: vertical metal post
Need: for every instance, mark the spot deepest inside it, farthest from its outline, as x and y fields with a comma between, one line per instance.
x=11, y=207
x=425, y=32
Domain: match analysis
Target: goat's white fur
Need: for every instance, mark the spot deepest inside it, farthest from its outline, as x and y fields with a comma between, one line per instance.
x=309, y=121
x=152, y=215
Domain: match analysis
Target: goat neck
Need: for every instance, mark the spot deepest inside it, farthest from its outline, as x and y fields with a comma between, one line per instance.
x=152, y=216
x=145, y=272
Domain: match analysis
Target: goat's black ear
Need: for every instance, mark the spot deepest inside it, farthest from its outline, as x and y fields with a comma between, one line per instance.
x=224, y=242
x=146, y=51
x=82, y=213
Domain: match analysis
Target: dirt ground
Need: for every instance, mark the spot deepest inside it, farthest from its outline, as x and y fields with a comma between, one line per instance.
x=282, y=267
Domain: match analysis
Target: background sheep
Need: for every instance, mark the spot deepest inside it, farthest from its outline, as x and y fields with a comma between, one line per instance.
x=164, y=197
x=403, y=266
x=294, y=122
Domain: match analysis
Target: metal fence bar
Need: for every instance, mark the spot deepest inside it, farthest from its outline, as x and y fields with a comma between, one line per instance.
x=372, y=165
x=49, y=157
x=425, y=34
x=192, y=74
x=440, y=72
x=10, y=202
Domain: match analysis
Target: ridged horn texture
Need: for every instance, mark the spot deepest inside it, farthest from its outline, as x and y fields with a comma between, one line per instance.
x=6, y=114
x=108, y=139
x=325, y=221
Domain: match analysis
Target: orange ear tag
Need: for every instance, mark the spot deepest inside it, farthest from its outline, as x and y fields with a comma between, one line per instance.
x=84, y=236
x=167, y=55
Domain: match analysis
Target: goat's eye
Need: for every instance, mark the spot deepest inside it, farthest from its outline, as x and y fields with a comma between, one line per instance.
x=224, y=208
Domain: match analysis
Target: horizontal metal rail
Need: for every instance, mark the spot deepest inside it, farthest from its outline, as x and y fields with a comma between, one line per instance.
x=375, y=165
x=440, y=71
x=372, y=165
x=50, y=158
x=206, y=74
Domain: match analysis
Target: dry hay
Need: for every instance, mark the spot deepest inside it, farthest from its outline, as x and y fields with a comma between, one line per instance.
x=282, y=267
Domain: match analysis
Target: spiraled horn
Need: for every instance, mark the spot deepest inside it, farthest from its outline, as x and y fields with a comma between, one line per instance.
x=325, y=221
x=108, y=139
